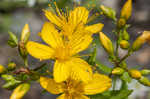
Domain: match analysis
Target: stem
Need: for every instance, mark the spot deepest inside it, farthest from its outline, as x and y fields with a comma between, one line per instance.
x=39, y=67
x=117, y=44
x=114, y=82
x=26, y=62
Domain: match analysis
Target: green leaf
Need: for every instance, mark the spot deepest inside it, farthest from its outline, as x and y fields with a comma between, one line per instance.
x=115, y=94
x=13, y=40
x=92, y=58
x=104, y=68
x=121, y=94
x=126, y=77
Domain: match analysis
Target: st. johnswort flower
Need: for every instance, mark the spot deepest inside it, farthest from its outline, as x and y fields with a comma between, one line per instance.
x=72, y=89
x=64, y=51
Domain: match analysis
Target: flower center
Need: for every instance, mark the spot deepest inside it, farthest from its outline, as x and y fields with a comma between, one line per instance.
x=62, y=53
x=73, y=88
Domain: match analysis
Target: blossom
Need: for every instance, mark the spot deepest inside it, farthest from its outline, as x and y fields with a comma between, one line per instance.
x=71, y=21
x=72, y=89
x=64, y=51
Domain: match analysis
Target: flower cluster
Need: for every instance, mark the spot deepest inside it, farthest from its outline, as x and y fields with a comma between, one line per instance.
x=66, y=35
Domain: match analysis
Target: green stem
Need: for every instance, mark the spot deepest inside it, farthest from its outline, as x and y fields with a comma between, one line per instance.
x=114, y=82
x=39, y=67
x=26, y=62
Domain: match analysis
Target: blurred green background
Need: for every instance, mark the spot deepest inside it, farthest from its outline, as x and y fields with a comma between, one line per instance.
x=15, y=13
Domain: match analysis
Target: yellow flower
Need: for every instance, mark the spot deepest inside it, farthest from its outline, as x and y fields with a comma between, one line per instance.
x=64, y=51
x=71, y=21
x=72, y=89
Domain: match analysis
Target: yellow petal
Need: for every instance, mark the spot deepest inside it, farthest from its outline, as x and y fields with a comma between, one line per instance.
x=61, y=71
x=78, y=15
x=39, y=51
x=81, y=97
x=50, y=35
x=80, y=70
x=53, y=18
x=79, y=42
x=95, y=28
x=98, y=84
x=50, y=85
x=63, y=96
x=74, y=96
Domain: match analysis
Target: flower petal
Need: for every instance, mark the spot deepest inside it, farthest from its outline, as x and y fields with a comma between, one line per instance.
x=79, y=42
x=61, y=71
x=81, y=97
x=39, y=51
x=80, y=70
x=78, y=15
x=100, y=83
x=50, y=85
x=50, y=35
x=63, y=96
x=95, y=28
x=53, y=18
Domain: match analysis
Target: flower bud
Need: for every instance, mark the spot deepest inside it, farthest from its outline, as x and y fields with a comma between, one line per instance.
x=147, y=36
x=107, y=44
x=25, y=33
x=2, y=69
x=124, y=44
x=20, y=91
x=11, y=65
x=145, y=72
x=13, y=40
x=141, y=40
x=22, y=50
x=126, y=10
x=145, y=81
x=109, y=12
x=121, y=23
x=135, y=74
x=118, y=71
x=125, y=35
x=7, y=77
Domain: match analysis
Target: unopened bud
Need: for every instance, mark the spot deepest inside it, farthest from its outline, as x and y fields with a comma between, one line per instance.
x=138, y=42
x=145, y=81
x=109, y=12
x=2, y=69
x=20, y=91
x=13, y=40
x=135, y=74
x=25, y=33
x=118, y=71
x=22, y=50
x=145, y=72
x=126, y=10
x=107, y=44
x=124, y=44
x=11, y=65
x=7, y=77
x=125, y=35
x=121, y=23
